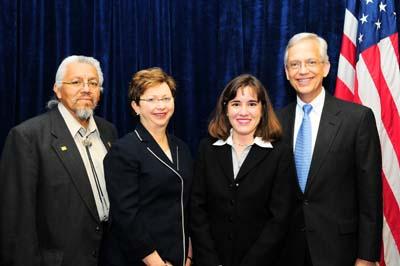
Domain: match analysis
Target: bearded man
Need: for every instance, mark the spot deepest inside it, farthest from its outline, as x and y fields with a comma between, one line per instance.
x=54, y=203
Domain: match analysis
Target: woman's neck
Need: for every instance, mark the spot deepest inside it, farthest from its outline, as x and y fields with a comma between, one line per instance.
x=242, y=140
x=159, y=135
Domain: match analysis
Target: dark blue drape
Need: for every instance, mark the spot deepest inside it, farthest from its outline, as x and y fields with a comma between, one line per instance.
x=201, y=43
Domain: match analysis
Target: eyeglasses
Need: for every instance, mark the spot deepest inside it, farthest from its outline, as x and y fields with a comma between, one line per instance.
x=92, y=84
x=155, y=100
x=309, y=64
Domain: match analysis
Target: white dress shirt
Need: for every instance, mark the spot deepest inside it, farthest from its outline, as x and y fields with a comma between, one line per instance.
x=97, y=152
x=315, y=117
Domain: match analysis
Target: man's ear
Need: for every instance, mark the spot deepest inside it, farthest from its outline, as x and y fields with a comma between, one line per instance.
x=287, y=73
x=57, y=91
x=327, y=67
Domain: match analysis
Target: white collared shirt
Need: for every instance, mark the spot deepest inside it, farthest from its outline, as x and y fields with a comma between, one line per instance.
x=97, y=152
x=315, y=117
x=237, y=161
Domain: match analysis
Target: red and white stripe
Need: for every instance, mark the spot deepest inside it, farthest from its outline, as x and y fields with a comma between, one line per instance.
x=374, y=81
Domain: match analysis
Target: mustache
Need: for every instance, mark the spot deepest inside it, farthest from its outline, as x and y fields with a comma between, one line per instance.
x=85, y=94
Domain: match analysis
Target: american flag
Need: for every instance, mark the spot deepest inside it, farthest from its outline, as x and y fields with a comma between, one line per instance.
x=369, y=74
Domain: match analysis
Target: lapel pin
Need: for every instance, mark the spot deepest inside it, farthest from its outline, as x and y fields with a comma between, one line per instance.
x=109, y=144
x=63, y=148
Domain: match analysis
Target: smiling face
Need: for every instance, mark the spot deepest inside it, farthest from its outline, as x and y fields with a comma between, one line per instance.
x=306, y=80
x=244, y=112
x=156, y=106
x=80, y=101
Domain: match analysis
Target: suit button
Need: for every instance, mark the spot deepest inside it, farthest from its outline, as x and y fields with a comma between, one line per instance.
x=305, y=202
x=94, y=253
x=97, y=228
x=232, y=202
x=231, y=185
x=237, y=185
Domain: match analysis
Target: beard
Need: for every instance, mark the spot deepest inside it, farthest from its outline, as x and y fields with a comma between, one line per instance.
x=84, y=113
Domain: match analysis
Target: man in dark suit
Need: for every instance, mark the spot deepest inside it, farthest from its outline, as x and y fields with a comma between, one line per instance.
x=337, y=219
x=52, y=191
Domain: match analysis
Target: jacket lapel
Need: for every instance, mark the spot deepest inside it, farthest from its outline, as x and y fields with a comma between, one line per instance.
x=328, y=128
x=287, y=119
x=65, y=147
x=255, y=155
x=288, y=124
x=174, y=152
x=224, y=157
x=105, y=134
x=145, y=137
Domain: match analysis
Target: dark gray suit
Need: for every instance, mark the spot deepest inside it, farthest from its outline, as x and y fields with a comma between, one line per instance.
x=340, y=212
x=48, y=212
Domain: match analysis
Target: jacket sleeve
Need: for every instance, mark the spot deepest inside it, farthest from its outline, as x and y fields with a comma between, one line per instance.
x=204, y=252
x=269, y=243
x=122, y=172
x=369, y=188
x=18, y=185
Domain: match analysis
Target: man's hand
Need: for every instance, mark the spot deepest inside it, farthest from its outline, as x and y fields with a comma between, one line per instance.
x=154, y=259
x=360, y=262
x=190, y=254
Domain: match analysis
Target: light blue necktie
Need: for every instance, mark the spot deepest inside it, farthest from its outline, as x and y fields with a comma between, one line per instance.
x=302, y=153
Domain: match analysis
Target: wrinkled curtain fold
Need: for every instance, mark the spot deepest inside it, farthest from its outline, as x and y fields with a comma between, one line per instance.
x=202, y=44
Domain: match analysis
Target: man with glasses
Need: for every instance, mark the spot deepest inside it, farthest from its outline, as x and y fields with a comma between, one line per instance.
x=54, y=204
x=337, y=220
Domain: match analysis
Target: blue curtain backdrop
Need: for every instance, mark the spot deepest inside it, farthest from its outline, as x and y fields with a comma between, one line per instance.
x=201, y=43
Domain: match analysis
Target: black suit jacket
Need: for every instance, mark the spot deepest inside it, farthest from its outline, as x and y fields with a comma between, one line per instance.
x=48, y=212
x=340, y=212
x=148, y=198
x=240, y=221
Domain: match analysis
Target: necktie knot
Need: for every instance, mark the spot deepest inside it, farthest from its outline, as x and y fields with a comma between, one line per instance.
x=307, y=108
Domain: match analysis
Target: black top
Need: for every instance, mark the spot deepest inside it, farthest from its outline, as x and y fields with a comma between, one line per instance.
x=240, y=221
x=148, y=198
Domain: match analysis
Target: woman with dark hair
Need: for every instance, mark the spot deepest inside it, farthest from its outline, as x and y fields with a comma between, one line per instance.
x=148, y=174
x=241, y=194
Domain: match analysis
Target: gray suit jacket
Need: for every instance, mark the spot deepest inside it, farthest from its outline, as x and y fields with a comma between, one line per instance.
x=48, y=213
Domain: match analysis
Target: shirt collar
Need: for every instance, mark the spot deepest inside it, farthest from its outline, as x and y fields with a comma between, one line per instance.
x=317, y=103
x=257, y=140
x=73, y=125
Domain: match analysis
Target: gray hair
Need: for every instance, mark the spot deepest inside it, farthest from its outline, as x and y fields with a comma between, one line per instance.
x=323, y=46
x=62, y=69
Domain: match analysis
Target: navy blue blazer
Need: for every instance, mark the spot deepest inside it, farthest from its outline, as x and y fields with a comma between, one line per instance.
x=148, y=198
